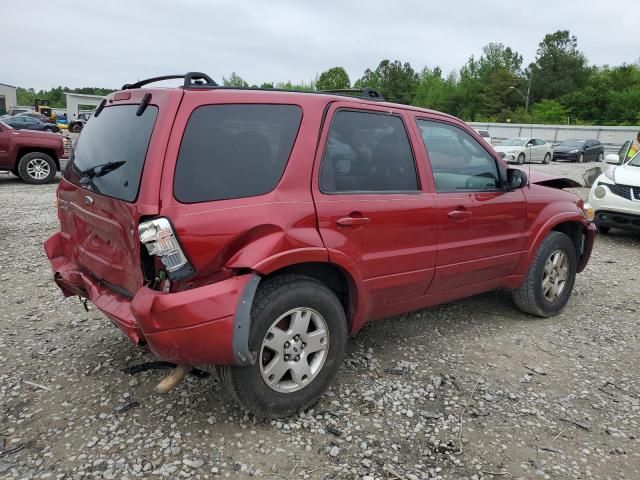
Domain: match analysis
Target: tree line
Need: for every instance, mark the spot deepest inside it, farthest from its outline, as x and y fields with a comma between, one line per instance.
x=560, y=85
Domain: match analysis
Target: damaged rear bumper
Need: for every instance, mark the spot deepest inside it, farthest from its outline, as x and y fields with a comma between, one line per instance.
x=196, y=326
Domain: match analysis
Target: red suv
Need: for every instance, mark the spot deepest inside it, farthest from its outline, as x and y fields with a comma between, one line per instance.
x=256, y=229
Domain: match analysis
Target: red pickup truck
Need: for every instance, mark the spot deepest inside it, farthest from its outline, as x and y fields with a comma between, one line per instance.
x=33, y=156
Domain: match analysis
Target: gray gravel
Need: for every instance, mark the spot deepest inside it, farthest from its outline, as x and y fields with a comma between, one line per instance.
x=555, y=398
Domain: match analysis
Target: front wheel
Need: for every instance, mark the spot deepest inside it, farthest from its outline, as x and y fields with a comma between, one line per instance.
x=299, y=335
x=581, y=158
x=547, y=158
x=521, y=159
x=603, y=229
x=77, y=128
x=549, y=282
x=600, y=157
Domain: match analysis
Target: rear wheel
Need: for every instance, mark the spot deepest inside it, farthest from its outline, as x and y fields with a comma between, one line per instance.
x=77, y=128
x=299, y=334
x=581, y=158
x=600, y=157
x=37, y=168
x=547, y=158
x=549, y=282
x=521, y=158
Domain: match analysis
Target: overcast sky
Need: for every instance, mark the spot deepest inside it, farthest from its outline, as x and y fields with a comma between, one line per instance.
x=108, y=43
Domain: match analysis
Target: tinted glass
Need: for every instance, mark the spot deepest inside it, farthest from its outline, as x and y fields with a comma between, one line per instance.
x=367, y=152
x=116, y=135
x=458, y=161
x=234, y=151
x=539, y=142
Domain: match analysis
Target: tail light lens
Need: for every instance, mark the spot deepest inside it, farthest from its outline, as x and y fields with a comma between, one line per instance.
x=158, y=237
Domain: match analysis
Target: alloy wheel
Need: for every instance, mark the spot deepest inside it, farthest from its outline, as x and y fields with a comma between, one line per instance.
x=38, y=168
x=294, y=350
x=555, y=275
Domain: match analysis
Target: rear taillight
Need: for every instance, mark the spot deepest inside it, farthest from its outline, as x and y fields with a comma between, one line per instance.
x=159, y=238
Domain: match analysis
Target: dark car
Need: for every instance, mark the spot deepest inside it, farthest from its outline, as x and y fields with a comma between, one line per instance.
x=36, y=115
x=256, y=229
x=579, y=151
x=21, y=122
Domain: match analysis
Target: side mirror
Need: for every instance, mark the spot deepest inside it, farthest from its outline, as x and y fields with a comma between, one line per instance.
x=516, y=178
x=612, y=158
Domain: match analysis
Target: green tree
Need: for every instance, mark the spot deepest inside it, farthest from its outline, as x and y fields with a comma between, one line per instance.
x=234, y=80
x=560, y=67
x=397, y=81
x=332, y=79
x=434, y=91
x=548, y=111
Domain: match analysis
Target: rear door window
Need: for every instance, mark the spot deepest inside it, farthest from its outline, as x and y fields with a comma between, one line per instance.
x=234, y=151
x=109, y=155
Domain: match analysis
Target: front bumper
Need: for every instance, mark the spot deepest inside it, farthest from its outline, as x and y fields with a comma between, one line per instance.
x=614, y=210
x=194, y=326
x=559, y=156
x=624, y=221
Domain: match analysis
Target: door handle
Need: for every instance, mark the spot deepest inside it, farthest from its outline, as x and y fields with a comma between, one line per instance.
x=352, y=221
x=459, y=214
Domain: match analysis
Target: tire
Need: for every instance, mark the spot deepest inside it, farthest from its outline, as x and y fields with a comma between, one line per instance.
x=76, y=128
x=581, y=158
x=547, y=158
x=37, y=168
x=600, y=157
x=531, y=297
x=277, y=302
x=521, y=159
x=603, y=230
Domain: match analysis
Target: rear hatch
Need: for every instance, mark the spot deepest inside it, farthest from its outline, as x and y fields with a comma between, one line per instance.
x=112, y=181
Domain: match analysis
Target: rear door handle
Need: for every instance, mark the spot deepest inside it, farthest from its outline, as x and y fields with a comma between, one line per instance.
x=459, y=214
x=352, y=221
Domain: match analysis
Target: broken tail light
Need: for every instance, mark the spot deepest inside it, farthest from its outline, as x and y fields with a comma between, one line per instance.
x=158, y=237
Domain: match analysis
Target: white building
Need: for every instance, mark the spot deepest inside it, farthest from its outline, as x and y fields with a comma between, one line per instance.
x=79, y=102
x=8, y=98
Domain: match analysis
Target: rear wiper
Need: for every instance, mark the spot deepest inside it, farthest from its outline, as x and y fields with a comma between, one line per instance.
x=102, y=169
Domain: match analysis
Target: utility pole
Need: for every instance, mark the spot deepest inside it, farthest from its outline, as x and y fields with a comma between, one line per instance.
x=526, y=105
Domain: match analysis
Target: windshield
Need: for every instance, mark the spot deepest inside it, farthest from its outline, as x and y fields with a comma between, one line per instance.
x=116, y=137
x=572, y=143
x=514, y=142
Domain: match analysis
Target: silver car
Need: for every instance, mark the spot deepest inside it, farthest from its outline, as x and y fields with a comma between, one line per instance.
x=525, y=149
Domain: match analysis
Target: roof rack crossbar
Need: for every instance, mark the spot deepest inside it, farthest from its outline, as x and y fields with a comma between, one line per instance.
x=366, y=92
x=191, y=80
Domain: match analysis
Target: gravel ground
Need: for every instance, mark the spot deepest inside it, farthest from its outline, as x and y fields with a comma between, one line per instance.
x=554, y=398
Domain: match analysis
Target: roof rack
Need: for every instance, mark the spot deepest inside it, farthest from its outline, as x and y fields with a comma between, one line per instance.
x=366, y=92
x=204, y=81
x=191, y=80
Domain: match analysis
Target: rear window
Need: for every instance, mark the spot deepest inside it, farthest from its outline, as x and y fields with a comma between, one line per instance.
x=234, y=151
x=117, y=135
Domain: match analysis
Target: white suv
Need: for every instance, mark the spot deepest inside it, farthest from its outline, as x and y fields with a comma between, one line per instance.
x=615, y=195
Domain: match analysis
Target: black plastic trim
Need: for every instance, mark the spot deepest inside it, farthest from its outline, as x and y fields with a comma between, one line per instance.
x=242, y=324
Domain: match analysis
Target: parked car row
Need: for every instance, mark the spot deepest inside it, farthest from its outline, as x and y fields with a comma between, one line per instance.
x=526, y=149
